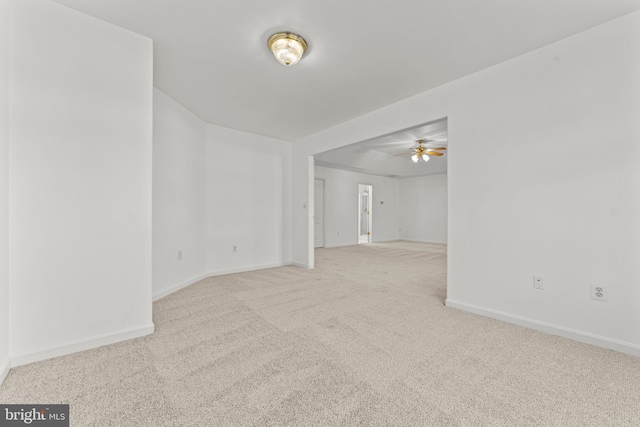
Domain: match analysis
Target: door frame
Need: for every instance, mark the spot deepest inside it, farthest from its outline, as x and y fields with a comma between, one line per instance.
x=370, y=209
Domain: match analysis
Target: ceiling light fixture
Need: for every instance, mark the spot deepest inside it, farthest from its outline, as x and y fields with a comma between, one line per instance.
x=419, y=154
x=423, y=158
x=288, y=48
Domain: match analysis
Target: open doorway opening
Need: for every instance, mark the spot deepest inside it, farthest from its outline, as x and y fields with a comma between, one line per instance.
x=411, y=200
x=365, y=214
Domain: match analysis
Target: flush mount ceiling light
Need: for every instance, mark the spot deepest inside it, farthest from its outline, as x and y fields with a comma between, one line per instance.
x=288, y=48
x=421, y=154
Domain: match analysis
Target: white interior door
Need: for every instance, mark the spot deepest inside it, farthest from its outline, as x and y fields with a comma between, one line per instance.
x=364, y=213
x=318, y=214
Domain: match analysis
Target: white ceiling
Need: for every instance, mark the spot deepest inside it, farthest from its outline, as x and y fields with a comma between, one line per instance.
x=211, y=55
x=387, y=155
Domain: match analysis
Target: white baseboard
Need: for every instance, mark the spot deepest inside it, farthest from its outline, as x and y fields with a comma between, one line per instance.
x=4, y=369
x=80, y=345
x=177, y=287
x=339, y=245
x=342, y=245
x=301, y=265
x=190, y=282
x=423, y=241
x=246, y=269
x=585, y=337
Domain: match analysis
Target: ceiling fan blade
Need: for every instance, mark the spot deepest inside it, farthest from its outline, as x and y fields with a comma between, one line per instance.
x=437, y=148
x=434, y=153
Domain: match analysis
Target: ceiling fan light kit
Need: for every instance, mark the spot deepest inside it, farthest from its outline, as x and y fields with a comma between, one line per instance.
x=421, y=154
x=287, y=48
x=422, y=158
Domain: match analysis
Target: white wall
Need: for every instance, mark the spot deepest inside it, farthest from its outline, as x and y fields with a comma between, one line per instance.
x=80, y=181
x=4, y=188
x=179, y=195
x=302, y=204
x=248, y=201
x=341, y=206
x=215, y=188
x=543, y=179
x=423, y=208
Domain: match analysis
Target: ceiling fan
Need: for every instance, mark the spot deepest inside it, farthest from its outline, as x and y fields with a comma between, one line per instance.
x=421, y=153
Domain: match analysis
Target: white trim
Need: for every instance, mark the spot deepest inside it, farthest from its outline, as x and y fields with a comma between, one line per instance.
x=245, y=269
x=190, y=282
x=385, y=240
x=585, y=337
x=340, y=245
x=423, y=241
x=4, y=369
x=177, y=287
x=80, y=345
x=301, y=265
x=98, y=341
x=368, y=191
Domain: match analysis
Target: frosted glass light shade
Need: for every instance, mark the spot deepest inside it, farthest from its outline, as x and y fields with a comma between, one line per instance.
x=287, y=48
x=425, y=158
x=414, y=158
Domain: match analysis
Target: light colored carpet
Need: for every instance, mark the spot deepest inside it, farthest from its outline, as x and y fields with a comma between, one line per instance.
x=364, y=339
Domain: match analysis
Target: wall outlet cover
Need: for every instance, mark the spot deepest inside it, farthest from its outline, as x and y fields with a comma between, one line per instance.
x=538, y=282
x=600, y=292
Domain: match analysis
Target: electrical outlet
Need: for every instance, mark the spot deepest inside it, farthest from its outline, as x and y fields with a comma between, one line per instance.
x=234, y=249
x=600, y=292
x=180, y=255
x=538, y=282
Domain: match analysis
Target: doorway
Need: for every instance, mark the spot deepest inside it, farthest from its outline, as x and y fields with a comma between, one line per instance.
x=365, y=217
x=318, y=214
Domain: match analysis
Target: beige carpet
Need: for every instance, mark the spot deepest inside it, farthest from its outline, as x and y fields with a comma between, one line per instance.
x=364, y=339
